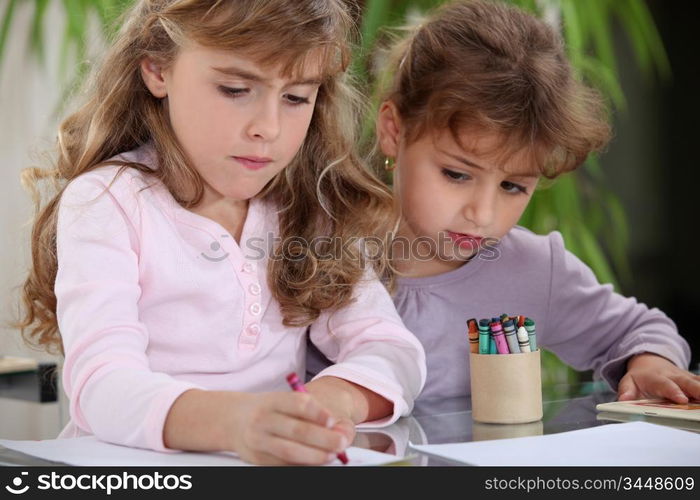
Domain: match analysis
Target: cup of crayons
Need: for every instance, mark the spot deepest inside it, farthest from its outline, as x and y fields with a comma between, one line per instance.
x=504, y=364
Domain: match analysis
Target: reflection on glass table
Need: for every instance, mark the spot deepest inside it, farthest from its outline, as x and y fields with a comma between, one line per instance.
x=565, y=408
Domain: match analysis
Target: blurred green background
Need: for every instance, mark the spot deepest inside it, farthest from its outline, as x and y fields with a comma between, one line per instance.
x=584, y=206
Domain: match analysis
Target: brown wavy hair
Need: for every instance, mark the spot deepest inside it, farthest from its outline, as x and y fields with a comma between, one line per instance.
x=487, y=66
x=325, y=191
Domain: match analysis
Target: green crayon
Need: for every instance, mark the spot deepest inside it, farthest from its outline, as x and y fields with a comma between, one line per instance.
x=492, y=341
x=484, y=336
x=532, y=335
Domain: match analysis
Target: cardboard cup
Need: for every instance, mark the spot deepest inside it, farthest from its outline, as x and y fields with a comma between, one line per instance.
x=506, y=388
x=489, y=432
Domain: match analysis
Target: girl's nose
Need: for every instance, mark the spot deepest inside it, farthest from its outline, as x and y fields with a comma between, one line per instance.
x=480, y=209
x=264, y=124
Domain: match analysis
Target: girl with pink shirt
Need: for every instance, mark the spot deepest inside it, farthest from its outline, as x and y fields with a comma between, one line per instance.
x=204, y=183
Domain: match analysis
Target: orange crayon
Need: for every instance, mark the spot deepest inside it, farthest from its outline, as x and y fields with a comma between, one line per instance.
x=473, y=336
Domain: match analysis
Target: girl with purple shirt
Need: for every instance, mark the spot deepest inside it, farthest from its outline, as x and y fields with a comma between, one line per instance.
x=483, y=103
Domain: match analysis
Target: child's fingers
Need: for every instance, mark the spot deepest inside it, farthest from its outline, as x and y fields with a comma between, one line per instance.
x=690, y=385
x=307, y=433
x=265, y=458
x=304, y=406
x=292, y=452
x=346, y=427
x=627, y=390
x=666, y=388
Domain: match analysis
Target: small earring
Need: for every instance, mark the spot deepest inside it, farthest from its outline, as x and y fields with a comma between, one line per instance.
x=389, y=165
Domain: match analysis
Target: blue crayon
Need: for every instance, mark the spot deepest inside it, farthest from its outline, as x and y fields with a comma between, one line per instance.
x=511, y=338
x=484, y=336
x=532, y=335
x=492, y=345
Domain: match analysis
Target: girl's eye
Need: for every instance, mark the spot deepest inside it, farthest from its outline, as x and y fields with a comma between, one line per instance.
x=295, y=99
x=238, y=92
x=513, y=188
x=455, y=176
x=233, y=92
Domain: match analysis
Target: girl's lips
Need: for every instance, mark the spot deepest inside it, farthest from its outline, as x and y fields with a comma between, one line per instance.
x=253, y=163
x=465, y=240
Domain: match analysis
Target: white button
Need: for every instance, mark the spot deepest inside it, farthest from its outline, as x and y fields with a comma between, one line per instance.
x=254, y=289
x=248, y=267
x=253, y=329
x=255, y=309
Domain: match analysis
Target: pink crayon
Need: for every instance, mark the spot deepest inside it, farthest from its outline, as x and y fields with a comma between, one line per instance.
x=497, y=332
x=298, y=386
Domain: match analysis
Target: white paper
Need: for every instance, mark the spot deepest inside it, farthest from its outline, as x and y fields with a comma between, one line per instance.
x=635, y=443
x=90, y=451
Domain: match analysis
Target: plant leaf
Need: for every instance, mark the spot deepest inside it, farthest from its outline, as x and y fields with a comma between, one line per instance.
x=6, y=23
x=36, y=38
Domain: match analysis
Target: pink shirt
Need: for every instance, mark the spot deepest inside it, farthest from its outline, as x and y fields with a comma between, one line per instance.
x=153, y=300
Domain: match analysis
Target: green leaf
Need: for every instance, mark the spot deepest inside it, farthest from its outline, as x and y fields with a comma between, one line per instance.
x=618, y=240
x=573, y=34
x=6, y=23
x=598, y=10
x=107, y=13
x=646, y=41
x=36, y=38
x=75, y=34
x=566, y=198
x=375, y=15
x=554, y=371
x=604, y=79
x=528, y=5
x=592, y=166
x=593, y=255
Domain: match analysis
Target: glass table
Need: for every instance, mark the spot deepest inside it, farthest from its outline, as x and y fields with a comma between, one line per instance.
x=565, y=408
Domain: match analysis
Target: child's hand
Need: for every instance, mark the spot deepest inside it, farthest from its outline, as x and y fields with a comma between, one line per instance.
x=650, y=375
x=349, y=402
x=333, y=393
x=286, y=428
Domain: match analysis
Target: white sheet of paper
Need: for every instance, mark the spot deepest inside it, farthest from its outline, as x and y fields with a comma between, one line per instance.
x=634, y=443
x=90, y=451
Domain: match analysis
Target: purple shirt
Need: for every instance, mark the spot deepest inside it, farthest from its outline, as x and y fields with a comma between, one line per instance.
x=586, y=324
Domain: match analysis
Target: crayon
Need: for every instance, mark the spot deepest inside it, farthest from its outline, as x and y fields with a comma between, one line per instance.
x=532, y=335
x=492, y=344
x=484, y=336
x=499, y=338
x=492, y=341
x=521, y=321
x=297, y=386
x=511, y=339
x=523, y=341
x=473, y=336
